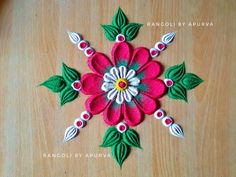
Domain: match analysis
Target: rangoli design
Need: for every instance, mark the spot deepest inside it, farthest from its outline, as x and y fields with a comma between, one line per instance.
x=124, y=88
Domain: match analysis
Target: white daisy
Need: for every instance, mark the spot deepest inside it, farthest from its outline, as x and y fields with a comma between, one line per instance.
x=120, y=84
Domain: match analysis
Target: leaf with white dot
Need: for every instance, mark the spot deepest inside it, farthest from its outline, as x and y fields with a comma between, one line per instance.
x=110, y=32
x=175, y=72
x=131, y=138
x=69, y=74
x=190, y=81
x=111, y=137
x=120, y=152
x=67, y=95
x=131, y=30
x=119, y=20
x=55, y=83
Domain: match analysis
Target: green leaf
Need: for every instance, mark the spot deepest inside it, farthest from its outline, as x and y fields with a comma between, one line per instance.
x=55, y=83
x=190, y=81
x=130, y=31
x=119, y=20
x=69, y=74
x=110, y=32
x=68, y=94
x=111, y=137
x=177, y=91
x=176, y=72
x=120, y=152
x=131, y=138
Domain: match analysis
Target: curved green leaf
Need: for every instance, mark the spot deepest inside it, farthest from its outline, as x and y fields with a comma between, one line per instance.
x=120, y=152
x=130, y=31
x=176, y=72
x=68, y=94
x=190, y=81
x=131, y=138
x=177, y=91
x=55, y=83
x=119, y=20
x=69, y=74
x=111, y=137
x=110, y=32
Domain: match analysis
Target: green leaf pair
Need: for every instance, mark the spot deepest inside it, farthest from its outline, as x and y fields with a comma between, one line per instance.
x=120, y=25
x=63, y=84
x=182, y=81
x=120, y=143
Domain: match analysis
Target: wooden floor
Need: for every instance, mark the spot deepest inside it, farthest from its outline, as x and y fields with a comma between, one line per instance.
x=34, y=43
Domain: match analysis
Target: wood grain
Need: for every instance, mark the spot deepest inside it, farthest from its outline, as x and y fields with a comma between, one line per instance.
x=33, y=44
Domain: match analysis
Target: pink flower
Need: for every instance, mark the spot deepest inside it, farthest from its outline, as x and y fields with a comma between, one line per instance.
x=124, y=89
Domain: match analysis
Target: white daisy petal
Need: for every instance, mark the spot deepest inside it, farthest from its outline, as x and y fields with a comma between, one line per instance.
x=133, y=90
x=112, y=94
x=120, y=98
x=106, y=86
x=134, y=81
x=127, y=96
x=115, y=73
x=109, y=77
x=123, y=71
x=130, y=74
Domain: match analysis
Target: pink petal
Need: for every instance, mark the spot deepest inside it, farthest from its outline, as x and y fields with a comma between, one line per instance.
x=91, y=84
x=150, y=71
x=96, y=103
x=112, y=114
x=121, y=53
x=132, y=114
x=147, y=104
x=154, y=88
x=99, y=63
x=140, y=57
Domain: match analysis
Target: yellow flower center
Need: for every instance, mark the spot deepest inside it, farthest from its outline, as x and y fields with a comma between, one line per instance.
x=121, y=84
